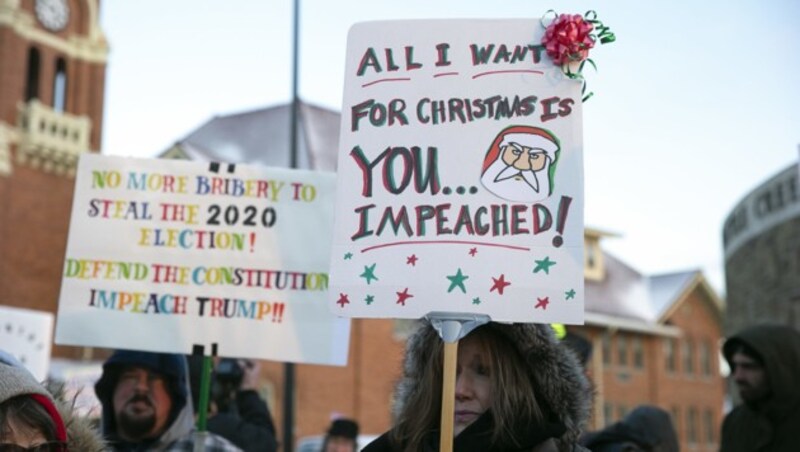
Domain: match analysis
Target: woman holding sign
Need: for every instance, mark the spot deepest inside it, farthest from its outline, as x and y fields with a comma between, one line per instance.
x=517, y=389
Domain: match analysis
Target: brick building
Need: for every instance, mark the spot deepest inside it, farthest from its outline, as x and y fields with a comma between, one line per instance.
x=52, y=80
x=656, y=341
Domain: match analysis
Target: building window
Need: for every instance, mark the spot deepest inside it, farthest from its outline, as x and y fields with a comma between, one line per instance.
x=638, y=353
x=676, y=420
x=591, y=260
x=60, y=86
x=622, y=350
x=32, y=79
x=708, y=421
x=705, y=358
x=691, y=425
x=622, y=411
x=688, y=356
x=606, y=348
x=608, y=414
x=669, y=354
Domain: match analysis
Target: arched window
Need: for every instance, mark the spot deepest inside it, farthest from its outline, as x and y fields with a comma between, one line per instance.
x=32, y=79
x=60, y=86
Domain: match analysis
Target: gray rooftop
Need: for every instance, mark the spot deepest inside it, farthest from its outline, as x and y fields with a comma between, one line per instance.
x=262, y=137
x=622, y=293
x=665, y=289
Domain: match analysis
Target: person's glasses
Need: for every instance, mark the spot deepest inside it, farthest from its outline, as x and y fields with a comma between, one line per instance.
x=52, y=446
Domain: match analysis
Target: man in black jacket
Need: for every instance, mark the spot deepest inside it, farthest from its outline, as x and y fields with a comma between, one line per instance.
x=239, y=414
x=765, y=365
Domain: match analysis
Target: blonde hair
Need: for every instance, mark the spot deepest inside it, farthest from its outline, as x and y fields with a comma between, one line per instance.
x=513, y=402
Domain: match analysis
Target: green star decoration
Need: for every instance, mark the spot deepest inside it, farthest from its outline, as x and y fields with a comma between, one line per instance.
x=369, y=273
x=570, y=294
x=348, y=256
x=457, y=280
x=369, y=299
x=543, y=265
x=476, y=300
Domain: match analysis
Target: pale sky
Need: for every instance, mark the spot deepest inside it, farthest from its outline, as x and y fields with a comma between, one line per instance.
x=695, y=104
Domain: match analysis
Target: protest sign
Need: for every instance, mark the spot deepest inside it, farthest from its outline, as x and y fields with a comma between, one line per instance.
x=166, y=254
x=27, y=334
x=460, y=174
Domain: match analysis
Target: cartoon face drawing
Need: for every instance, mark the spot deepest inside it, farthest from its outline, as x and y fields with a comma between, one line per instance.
x=520, y=164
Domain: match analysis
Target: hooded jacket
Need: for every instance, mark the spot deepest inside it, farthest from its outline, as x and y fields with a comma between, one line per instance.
x=772, y=424
x=561, y=388
x=646, y=428
x=178, y=434
x=71, y=428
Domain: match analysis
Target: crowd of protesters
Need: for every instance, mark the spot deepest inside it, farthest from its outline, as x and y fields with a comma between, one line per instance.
x=518, y=388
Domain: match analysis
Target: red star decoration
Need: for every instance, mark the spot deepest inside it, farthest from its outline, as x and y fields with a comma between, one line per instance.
x=343, y=300
x=499, y=284
x=542, y=303
x=412, y=260
x=473, y=251
x=403, y=296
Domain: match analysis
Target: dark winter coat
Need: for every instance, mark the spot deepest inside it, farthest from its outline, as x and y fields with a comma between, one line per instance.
x=561, y=388
x=646, y=429
x=251, y=428
x=477, y=438
x=772, y=425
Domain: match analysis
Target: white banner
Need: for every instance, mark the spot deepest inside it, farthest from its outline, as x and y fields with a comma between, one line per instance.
x=166, y=254
x=460, y=174
x=27, y=335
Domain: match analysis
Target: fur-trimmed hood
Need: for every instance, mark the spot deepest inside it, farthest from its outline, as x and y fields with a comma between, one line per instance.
x=80, y=435
x=559, y=381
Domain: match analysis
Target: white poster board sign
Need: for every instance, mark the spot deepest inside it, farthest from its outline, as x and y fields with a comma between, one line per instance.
x=27, y=335
x=166, y=254
x=460, y=174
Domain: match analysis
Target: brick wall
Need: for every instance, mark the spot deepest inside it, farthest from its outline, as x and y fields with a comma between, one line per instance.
x=33, y=236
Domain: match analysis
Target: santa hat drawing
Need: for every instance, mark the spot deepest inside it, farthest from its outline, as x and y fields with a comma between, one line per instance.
x=529, y=137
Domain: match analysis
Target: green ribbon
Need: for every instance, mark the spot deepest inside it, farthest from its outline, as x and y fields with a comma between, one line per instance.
x=549, y=11
x=604, y=34
x=578, y=75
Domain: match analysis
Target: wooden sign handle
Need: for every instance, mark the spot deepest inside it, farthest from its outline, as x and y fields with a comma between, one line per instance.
x=448, y=396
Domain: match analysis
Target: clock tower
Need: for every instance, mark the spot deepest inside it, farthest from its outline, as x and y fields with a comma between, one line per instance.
x=52, y=79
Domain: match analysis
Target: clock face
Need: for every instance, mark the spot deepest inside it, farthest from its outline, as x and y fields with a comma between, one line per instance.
x=53, y=14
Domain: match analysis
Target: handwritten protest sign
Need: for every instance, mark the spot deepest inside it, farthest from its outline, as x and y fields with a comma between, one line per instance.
x=27, y=334
x=460, y=174
x=165, y=254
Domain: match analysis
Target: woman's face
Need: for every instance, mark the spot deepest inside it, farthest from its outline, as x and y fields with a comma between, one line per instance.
x=22, y=435
x=473, y=383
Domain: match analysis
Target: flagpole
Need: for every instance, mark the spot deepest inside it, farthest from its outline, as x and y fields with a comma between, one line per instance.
x=288, y=370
